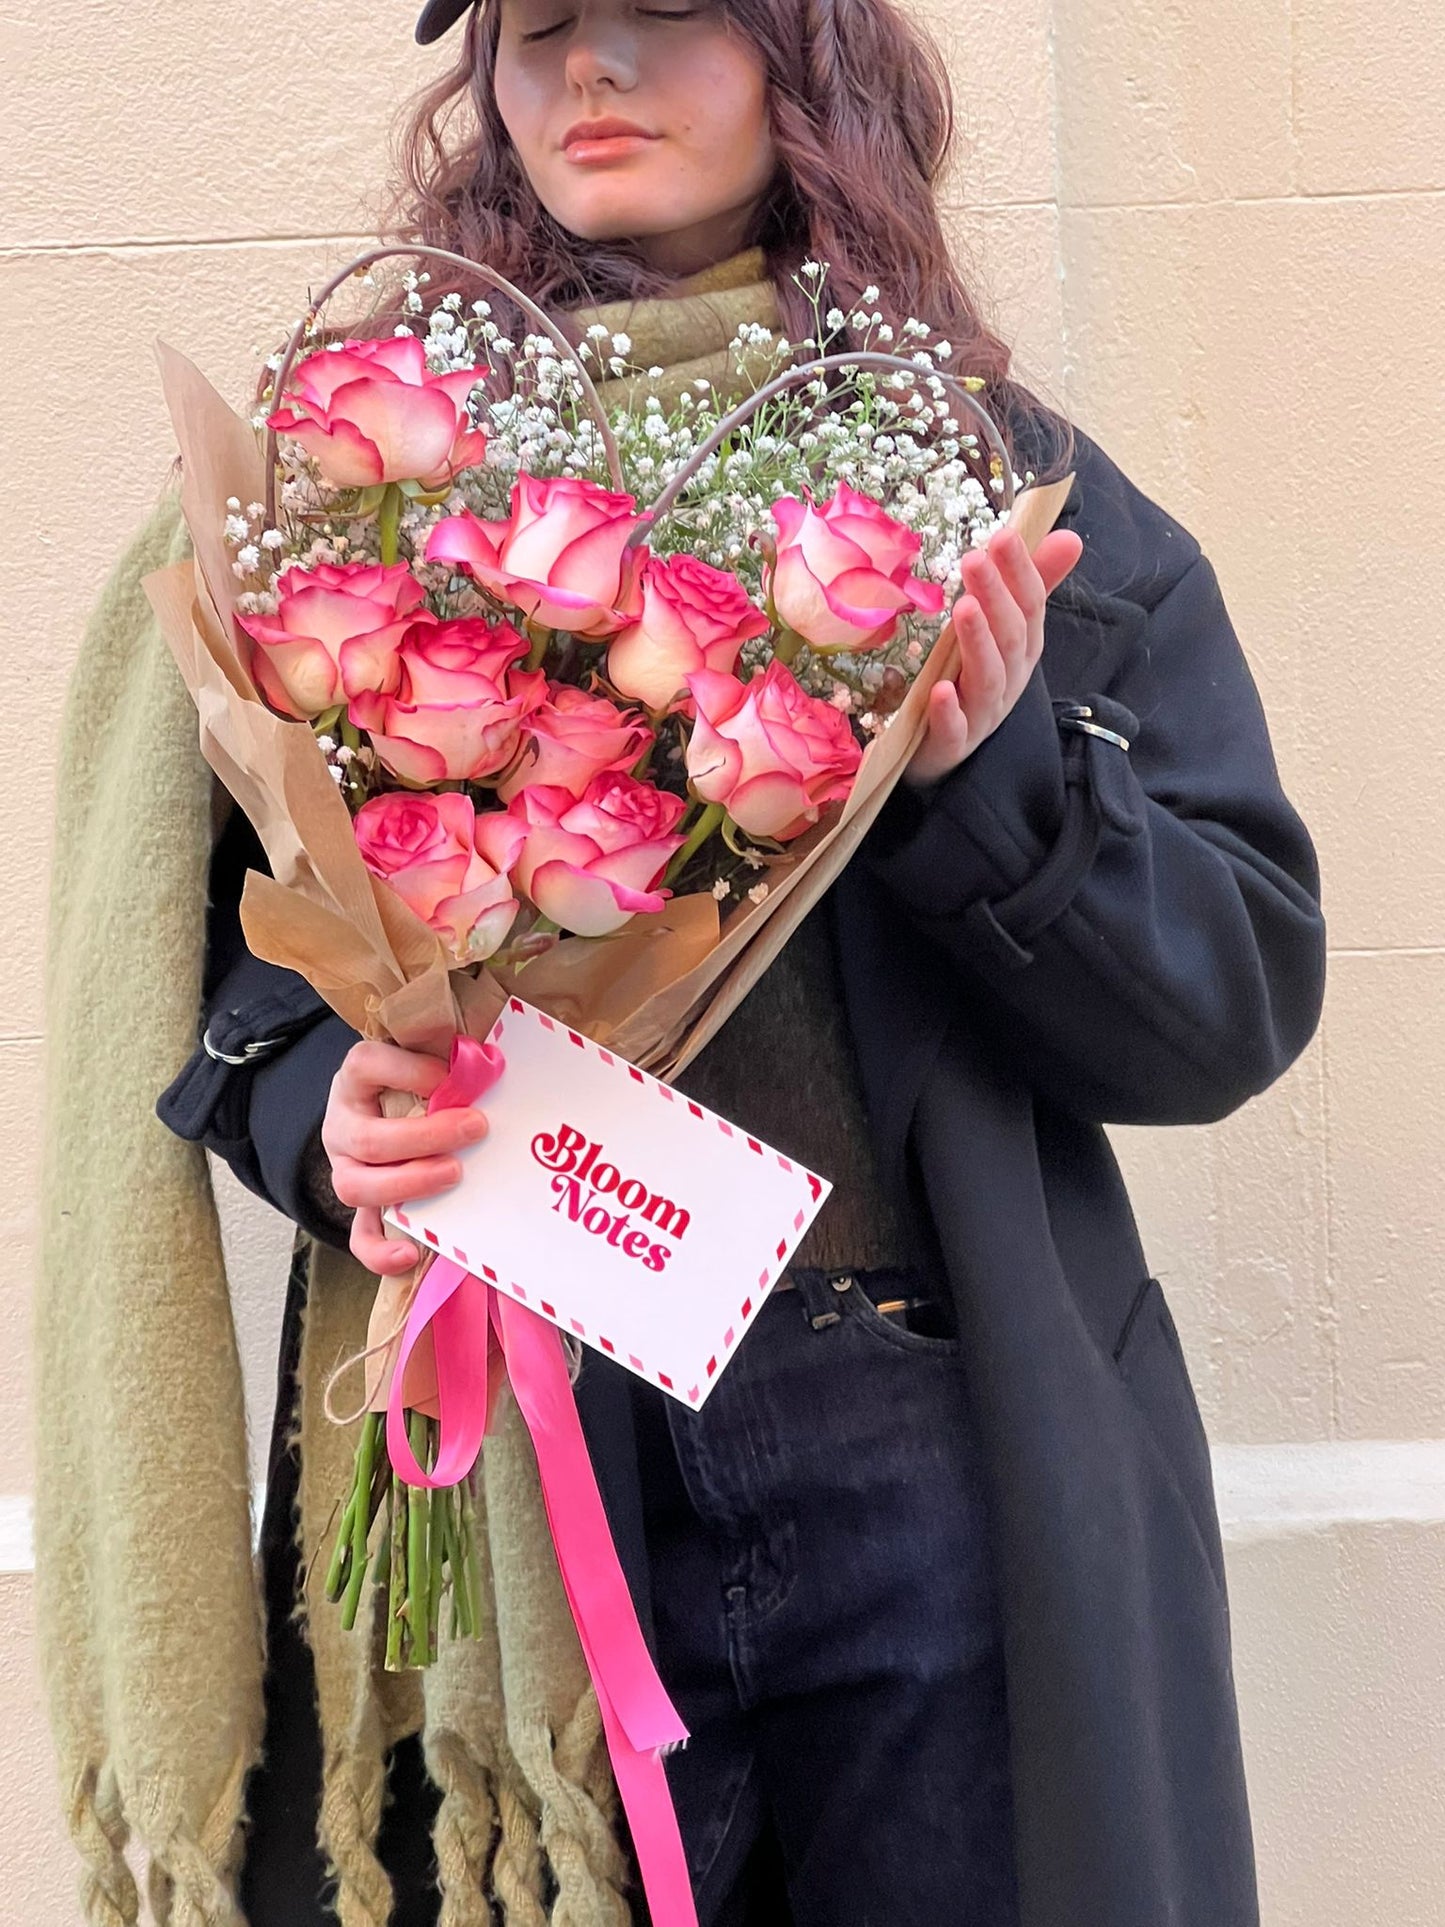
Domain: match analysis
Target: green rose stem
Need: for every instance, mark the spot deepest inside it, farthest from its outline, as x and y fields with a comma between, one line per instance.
x=462, y=1595
x=787, y=646
x=396, y=1591
x=418, y=1517
x=339, y=1570
x=472, y=1589
x=381, y=1565
x=388, y=522
x=441, y=1505
x=361, y=1515
x=710, y=820
x=540, y=637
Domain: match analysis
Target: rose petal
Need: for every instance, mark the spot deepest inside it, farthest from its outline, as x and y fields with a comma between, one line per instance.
x=587, y=905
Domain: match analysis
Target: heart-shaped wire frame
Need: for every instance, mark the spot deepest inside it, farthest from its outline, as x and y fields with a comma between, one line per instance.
x=999, y=463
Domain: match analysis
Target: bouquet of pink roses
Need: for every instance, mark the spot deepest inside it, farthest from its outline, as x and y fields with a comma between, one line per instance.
x=499, y=727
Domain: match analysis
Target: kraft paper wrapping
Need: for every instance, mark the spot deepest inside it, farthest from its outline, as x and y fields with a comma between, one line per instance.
x=655, y=993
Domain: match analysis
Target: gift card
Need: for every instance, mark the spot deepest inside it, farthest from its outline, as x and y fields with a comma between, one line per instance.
x=647, y=1226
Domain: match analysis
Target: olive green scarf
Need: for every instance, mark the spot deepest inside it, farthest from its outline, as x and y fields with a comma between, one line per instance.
x=149, y=1610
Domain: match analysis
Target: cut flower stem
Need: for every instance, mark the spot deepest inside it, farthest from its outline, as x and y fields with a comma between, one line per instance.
x=426, y=1547
x=710, y=820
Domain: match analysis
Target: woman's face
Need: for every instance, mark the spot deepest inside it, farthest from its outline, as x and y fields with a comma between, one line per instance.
x=641, y=123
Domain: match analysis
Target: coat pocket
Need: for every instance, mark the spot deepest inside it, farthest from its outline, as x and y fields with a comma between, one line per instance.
x=1150, y=1360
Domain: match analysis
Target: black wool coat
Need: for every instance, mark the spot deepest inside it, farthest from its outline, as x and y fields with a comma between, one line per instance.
x=1062, y=934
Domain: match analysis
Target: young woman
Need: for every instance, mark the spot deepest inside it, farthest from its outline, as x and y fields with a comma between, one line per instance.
x=935, y=1577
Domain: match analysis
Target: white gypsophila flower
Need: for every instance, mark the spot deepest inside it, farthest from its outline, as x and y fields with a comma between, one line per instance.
x=721, y=888
x=758, y=893
x=233, y=502
x=621, y=344
x=248, y=559
x=272, y=539
x=869, y=294
x=237, y=528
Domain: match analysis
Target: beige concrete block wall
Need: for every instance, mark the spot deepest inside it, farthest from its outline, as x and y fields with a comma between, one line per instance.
x=1215, y=234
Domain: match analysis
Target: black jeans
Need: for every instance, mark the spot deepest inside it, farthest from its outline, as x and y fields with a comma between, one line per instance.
x=827, y=1625
x=825, y=1621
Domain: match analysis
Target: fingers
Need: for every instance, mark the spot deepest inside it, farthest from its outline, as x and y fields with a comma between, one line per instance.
x=383, y=1184
x=1055, y=557
x=372, y=1247
x=372, y=1066
x=354, y=1132
x=1000, y=627
x=984, y=579
x=947, y=738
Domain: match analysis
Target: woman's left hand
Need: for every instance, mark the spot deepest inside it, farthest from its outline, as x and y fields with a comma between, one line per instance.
x=1000, y=627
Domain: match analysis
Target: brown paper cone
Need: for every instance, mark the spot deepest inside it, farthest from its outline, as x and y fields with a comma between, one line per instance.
x=655, y=993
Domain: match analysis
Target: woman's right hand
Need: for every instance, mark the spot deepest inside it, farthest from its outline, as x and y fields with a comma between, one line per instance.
x=377, y=1161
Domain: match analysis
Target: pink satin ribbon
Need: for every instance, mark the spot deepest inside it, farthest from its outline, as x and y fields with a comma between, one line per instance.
x=466, y=1316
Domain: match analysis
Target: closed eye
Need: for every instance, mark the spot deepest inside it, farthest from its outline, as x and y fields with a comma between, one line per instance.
x=648, y=13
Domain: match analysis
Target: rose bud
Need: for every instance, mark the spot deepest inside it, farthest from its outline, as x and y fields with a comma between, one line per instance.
x=770, y=753
x=693, y=617
x=448, y=703
x=424, y=847
x=593, y=863
x=844, y=573
x=561, y=558
x=295, y=657
x=573, y=737
x=372, y=411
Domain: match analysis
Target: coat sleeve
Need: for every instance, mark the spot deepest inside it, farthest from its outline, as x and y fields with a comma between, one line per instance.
x=263, y=1114
x=1141, y=928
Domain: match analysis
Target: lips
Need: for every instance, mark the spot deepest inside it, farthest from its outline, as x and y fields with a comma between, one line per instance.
x=589, y=133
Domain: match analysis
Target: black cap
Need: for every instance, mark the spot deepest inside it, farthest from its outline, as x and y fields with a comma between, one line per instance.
x=438, y=17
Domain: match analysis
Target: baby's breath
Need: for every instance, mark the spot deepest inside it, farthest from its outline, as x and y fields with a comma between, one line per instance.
x=894, y=436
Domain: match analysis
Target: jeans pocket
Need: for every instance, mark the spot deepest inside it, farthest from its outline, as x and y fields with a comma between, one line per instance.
x=888, y=1327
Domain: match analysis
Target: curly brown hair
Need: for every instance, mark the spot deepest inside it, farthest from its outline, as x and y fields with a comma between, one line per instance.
x=863, y=123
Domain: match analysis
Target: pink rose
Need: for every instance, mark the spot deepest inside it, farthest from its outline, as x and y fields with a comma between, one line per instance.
x=447, y=703
x=297, y=652
x=562, y=559
x=371, y=411
x=592, y=863
x=424, y=847
x=844, y=573
x=773, y=755
x=693, y=617
x=573, y=737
